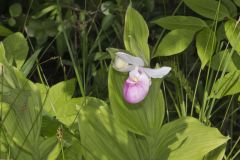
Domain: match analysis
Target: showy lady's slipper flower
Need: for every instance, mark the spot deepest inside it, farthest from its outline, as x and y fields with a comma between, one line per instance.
x=137, y=85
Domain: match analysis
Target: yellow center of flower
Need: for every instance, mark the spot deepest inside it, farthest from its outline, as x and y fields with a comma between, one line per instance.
x=119, y=63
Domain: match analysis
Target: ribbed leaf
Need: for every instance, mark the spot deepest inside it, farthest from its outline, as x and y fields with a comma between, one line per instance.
x=232, y=31
x=136, y=35
x=102, y=136
x=187, y=138
x=144, y=118
x=222, y=59
x=229, y=84
x=16, y=48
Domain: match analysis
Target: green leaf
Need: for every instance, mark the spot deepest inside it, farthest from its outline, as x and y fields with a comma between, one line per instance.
x=21, y=112
x=136, y=35
x=16, y=48
x=47, y=146
x=59, y=102
x=28, y=65
x=208, y=8
x=15, y=10
x=11, y=22
x=186, y=138
x=175, y=42
x=237, y=2
x=100, y=131
x=229, y=84
x=221, y=60
x=216, y=154
x=181, y=22
x=4, y=31
x=231, y=7
x=206, y=43
x=144, y=118
x=44, y=11
x=232, y=31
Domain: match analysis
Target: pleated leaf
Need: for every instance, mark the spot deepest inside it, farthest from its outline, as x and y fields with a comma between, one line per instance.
x=144, y=118
x=136, y=35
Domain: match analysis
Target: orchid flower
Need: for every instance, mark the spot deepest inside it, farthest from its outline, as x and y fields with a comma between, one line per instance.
x=137, y=85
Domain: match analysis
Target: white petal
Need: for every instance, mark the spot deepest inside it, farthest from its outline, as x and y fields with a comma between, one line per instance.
x=134, y=74
x=157, y=73
x=136, y=61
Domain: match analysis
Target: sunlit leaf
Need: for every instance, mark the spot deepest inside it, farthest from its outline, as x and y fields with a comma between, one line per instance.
x=16, y=48
x=205, y=43
x=136, y=35
x=187, y=138
x=175, y=42
x=99, y=132
x=229, y=84
x=232, y=30
x=222, y=59
x=144, y=118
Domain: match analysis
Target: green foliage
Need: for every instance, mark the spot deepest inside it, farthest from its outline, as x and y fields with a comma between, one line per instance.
x=175, y=42
x=144, y=118
x=58, y=101
x=57, y=118
x=232, y=31
x=205, y=43
x=229, y=84
x=16, y=48
x=136, y=35
x=208, y=8
x=15, y=10
x=181, y=22
x=222, y=59
x=4, y=31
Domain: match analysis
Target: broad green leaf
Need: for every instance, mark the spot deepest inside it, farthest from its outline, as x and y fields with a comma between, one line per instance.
x=136, y=35
x=102, y=136
x=232, y=31
x=144, y=118
x=55, y=152
x=229, y=84
x=58, y=101
x=208, y=8
x=28, y=65
x=175, y=42
x=187, y=138
x=16, y=48
x=4, y=31
x=22, y=110
x=221, y=60
x=216, y=154
x=181, y=22
x=74, y=150
x=47, y=146
x=15, y=10
x=206, y=43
